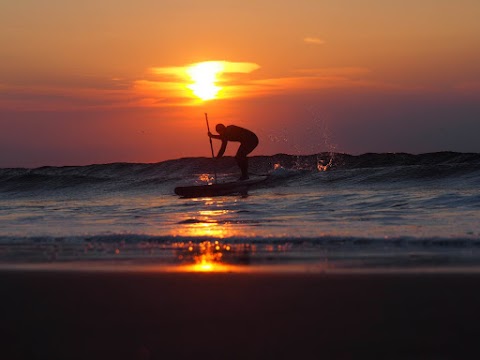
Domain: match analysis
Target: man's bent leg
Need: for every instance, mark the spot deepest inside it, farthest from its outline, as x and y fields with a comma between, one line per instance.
x=241, y=157
x=242, y=163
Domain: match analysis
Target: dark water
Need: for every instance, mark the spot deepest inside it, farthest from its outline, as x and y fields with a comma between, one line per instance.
x=371, y=210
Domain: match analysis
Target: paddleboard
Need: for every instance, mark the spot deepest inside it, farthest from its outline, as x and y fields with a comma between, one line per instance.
x=219, y=189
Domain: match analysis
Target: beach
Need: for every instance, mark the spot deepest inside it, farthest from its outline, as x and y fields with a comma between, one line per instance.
x=251, y=315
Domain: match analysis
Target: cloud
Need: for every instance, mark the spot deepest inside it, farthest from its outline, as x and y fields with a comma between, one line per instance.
x=314, y=41
x=63, y=92
x=172, y=87
x=62, y=98
x=224, y=67
x=176, y=83
x=172, y=83
x=468, y=87
x=315, y=79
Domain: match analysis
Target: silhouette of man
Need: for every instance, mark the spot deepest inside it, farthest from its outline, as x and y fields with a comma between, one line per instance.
x=247, y=139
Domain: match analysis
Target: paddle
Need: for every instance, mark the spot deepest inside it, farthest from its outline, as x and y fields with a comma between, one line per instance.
x=211, y=148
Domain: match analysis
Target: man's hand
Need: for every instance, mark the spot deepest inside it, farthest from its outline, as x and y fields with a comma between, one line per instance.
x=209, y=134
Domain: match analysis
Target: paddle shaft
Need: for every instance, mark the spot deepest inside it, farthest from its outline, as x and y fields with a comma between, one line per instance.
x=211, y=148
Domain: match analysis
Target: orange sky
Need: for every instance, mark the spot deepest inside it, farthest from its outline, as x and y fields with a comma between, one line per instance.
x=98, y=81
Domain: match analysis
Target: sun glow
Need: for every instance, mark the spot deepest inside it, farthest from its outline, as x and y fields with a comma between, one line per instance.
x=205, y=76
x=202, y=81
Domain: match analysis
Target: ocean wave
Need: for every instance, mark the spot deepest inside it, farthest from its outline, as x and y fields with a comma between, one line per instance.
x=138, y=248
x=327, y=240
x=282, y=168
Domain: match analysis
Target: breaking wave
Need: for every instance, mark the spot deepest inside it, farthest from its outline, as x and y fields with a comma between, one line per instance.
x=305, y=170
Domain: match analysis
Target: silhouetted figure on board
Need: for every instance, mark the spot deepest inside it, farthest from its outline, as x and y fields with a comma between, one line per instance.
x=247, y=139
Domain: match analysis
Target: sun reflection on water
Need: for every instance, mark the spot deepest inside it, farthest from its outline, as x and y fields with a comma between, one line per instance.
x=212, y=256
x=211, y=229
x=211, y=223
x=206, y=178
x=205, y=228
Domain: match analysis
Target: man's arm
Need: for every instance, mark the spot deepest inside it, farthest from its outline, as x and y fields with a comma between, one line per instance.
x=214, y=136
x=222, y=149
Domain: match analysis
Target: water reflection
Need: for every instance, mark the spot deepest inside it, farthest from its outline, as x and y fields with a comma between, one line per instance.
x=214, y=223
x=206, y=255
x=215, y=255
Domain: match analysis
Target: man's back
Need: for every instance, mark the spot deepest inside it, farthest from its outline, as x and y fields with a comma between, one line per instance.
x=237, y=133
x=248, y=141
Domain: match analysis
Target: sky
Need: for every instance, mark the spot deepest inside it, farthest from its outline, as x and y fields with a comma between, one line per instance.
x=101, y=81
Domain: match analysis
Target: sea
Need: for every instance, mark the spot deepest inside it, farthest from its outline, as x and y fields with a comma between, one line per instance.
x=326, y=212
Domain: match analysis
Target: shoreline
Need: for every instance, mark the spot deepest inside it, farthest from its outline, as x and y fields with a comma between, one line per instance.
x=238, y=315
x=333, y=267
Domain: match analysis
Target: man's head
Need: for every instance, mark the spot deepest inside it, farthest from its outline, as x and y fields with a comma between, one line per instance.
x=220, y=128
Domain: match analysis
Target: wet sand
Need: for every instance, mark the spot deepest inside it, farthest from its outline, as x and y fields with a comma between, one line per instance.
x=137, y=315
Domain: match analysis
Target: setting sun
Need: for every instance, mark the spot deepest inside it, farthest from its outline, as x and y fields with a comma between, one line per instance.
x=204, y=76
x=202, y=81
